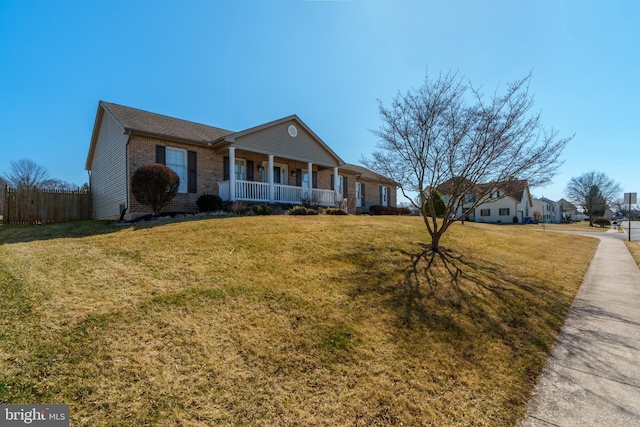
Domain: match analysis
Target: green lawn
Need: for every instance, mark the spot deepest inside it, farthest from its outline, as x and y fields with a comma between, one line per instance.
x=282, y=320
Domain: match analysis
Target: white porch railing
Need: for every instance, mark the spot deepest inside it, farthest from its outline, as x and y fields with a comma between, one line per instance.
x=260, y=192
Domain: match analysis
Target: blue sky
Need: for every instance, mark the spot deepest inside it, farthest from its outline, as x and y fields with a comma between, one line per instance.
x=238, y=64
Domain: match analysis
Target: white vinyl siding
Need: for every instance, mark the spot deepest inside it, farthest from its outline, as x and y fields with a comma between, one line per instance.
x=109, y=169
x=276, y=140
x=176, y=160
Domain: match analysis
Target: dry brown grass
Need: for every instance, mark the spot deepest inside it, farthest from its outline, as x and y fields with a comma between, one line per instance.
x=634, y=249
x=580, y=226
x=282, y=320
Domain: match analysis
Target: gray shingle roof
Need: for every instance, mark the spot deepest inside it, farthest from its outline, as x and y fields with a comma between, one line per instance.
x=366, y=173
x=156, y=124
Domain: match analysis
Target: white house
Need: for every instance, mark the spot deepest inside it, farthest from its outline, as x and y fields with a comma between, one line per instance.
x=503, y=202
x=547, y=211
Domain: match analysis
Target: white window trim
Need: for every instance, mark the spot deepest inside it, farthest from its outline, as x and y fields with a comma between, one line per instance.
x=244, y=163
x=183, y=179
x=338, y=185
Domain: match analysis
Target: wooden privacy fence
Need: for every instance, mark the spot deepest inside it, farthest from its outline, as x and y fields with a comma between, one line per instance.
x=34, y=206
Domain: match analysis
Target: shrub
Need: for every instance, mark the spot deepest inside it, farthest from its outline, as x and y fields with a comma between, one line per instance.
x=209, y=203
x=335, y=211
x=438, y=205
x=301, y=210
x=154, y=185
x=310, y=202
x=388, y=210
x=239, y=208
x=602, y=222
x=261, y=210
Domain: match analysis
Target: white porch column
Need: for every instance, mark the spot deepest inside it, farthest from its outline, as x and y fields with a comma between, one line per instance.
x=336, y=180
x=272, y=189
x=232, y=174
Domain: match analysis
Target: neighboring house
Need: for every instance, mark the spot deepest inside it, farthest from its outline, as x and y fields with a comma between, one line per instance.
x=500, y=202
x=547, y=210
x=569, y=210
x=282, y=161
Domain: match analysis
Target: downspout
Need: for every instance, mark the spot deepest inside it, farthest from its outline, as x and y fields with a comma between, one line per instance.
x=128, y=190
x=93, y=214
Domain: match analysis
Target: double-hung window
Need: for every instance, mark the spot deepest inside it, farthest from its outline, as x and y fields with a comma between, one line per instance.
x=182, y=162
x=485, y=212
x=503, y=212
x=176, y=160
x=384, y=196
x=359, y=194
x=240, y=169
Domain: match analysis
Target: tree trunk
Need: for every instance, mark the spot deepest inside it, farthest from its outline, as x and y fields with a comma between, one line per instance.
x=435, y=242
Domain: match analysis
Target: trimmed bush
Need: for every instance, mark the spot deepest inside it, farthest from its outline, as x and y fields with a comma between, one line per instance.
x=154, y=185
x=335, y=211
x=389, y=210
x=301, y=210
x=209, y=203
x=602, y=222
x=261, y=210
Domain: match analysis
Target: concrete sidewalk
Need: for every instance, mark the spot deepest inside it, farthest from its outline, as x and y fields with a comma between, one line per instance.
x=592, y=377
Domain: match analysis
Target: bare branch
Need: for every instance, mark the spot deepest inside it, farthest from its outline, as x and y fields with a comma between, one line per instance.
x=434, y=135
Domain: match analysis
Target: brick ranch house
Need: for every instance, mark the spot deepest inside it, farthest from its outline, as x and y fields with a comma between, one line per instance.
x=232, y=165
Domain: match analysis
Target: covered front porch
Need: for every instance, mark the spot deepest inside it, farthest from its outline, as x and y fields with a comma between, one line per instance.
x=251, y=191
x=254, y=177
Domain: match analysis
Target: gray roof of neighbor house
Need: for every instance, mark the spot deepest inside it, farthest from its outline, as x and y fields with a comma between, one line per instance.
x=145, y=122
x=367, y=174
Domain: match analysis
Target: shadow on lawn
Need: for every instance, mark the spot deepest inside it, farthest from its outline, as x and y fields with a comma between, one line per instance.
x=468, y=300
x=78, y=229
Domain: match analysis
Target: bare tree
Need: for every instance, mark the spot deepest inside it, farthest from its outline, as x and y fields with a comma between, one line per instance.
x=25, y=173
x=57, y=185
x=447, y=132
x=537, y=216
x=593, y=191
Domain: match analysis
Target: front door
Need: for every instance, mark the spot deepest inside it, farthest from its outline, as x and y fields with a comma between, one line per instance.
x=279, y=173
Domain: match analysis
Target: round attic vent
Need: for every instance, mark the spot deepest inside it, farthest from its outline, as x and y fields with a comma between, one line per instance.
x=292, y=131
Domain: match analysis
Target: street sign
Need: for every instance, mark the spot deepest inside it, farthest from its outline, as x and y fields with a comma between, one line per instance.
x=630, y=198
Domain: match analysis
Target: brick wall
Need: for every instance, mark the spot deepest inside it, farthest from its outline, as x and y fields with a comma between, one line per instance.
x=142, y=151
x=210, y=171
